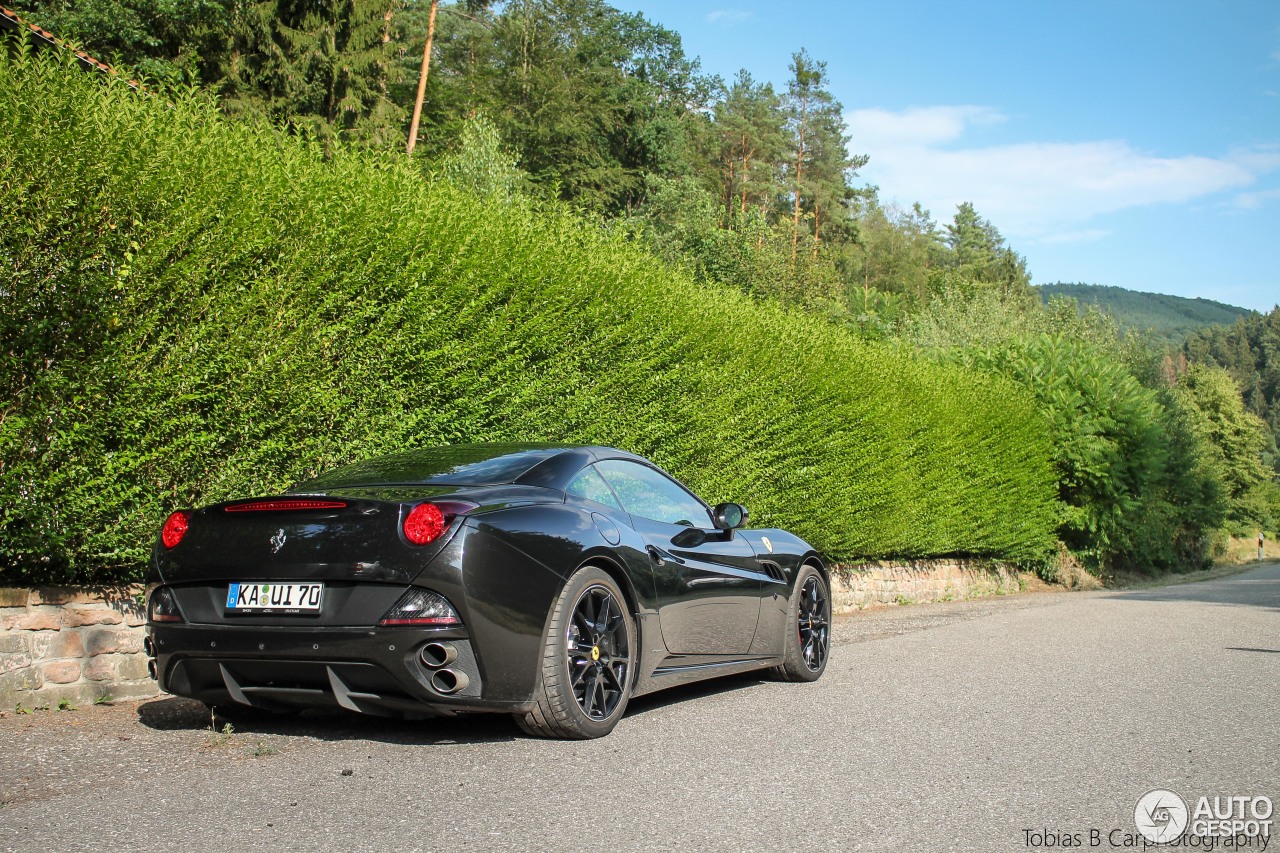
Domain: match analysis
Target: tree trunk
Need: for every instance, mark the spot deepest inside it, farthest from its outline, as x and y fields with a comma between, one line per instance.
x=422, y=79
x=727, y=196
x=817, y=220
x=795, y=223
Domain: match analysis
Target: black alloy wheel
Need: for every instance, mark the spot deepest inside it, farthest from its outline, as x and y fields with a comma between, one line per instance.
x=587, y=661
x=598, y=653
x=807, y=643
x=814, y=623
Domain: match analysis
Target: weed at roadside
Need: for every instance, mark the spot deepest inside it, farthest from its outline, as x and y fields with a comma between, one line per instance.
x=261, y=749
x=221, y=737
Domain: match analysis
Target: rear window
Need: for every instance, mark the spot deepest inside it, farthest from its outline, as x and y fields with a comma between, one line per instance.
x=456, y=465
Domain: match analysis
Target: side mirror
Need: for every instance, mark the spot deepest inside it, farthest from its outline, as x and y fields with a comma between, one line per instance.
x=729, y=516
x=690, y=537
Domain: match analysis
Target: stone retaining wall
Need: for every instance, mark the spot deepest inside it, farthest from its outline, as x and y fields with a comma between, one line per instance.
x=71, y=646
x=854, y=587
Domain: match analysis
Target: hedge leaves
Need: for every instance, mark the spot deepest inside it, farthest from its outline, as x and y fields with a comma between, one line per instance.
x=193, y=309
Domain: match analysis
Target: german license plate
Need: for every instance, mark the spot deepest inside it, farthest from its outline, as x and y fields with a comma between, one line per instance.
x=274, y=597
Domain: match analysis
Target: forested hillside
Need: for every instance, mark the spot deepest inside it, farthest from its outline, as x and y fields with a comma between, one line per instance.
x=246, y=277
x=1168, y=319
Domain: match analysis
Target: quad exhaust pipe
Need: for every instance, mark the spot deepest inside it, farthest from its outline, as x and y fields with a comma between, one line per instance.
x=449, y=681
x=436, y=655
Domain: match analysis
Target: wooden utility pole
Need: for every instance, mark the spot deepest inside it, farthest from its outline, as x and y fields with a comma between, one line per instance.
x=422, y=79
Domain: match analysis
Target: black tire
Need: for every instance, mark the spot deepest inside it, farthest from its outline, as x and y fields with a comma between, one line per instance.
x=588, y=661
x=807, y=644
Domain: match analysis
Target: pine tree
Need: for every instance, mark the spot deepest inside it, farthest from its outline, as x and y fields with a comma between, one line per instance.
x=979, y=255
x=321, y=68
x=821, y=165
x=750, y=129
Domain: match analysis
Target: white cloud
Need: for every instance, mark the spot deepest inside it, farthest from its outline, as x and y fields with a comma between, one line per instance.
x=728, y=17
x=917, y=125
x=1261, y=159
x=1253, y=201
x=1036, y=191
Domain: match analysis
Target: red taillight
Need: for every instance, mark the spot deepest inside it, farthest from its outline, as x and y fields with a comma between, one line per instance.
x=175, y=527
x=268, y=506
x=426, y=521
x=423, y=524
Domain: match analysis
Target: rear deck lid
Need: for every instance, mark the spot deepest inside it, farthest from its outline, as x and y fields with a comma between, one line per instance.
x=300, y=537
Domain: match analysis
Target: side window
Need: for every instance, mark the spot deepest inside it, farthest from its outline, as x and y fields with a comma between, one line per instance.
x=650, y=494
x=590, y=485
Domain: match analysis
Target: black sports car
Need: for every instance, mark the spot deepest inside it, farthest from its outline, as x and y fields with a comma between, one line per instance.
x=547, y=582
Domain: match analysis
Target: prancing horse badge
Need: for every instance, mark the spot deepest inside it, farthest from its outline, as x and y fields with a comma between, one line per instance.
x=277, y=541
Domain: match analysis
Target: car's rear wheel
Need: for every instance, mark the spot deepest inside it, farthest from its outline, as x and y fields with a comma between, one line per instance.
x=808, y=641
x=587, y=661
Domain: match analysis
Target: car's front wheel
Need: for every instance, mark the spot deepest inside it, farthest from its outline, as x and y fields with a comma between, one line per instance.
x=587, y=661
x=808, y=640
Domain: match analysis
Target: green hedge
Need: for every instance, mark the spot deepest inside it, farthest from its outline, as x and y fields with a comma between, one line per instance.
x=195, y=309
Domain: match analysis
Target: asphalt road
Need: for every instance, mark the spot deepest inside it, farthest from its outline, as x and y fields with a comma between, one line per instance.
x=959, y=726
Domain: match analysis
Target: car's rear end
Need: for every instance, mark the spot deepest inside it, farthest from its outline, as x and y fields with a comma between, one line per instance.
x=295, y=601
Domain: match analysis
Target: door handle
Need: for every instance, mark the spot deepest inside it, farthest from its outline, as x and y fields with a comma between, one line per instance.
x=659, y=557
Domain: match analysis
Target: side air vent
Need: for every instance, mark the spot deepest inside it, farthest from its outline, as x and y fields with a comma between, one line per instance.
x=774, y=570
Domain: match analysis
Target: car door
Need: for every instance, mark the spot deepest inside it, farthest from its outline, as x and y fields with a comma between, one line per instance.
x=708, y=592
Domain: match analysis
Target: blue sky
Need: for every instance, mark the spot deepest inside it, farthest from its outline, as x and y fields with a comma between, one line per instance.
x=1133, y=143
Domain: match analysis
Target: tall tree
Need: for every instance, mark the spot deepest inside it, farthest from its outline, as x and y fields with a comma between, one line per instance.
x=593, y=99
x=422, y=77
x=979, y=254
x=893, y=252
x=821, y=165
x=1236, y=436
x=750, y=128
x=319, y=67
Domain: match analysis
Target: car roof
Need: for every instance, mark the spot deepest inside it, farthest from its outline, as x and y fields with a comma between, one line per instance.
x=532, y=464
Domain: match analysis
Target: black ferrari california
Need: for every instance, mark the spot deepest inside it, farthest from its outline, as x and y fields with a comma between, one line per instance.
x=551, y=583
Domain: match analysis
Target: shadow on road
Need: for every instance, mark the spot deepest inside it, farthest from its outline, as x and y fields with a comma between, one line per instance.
x=173, y=713
x=686, y=692
x=178, y=714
